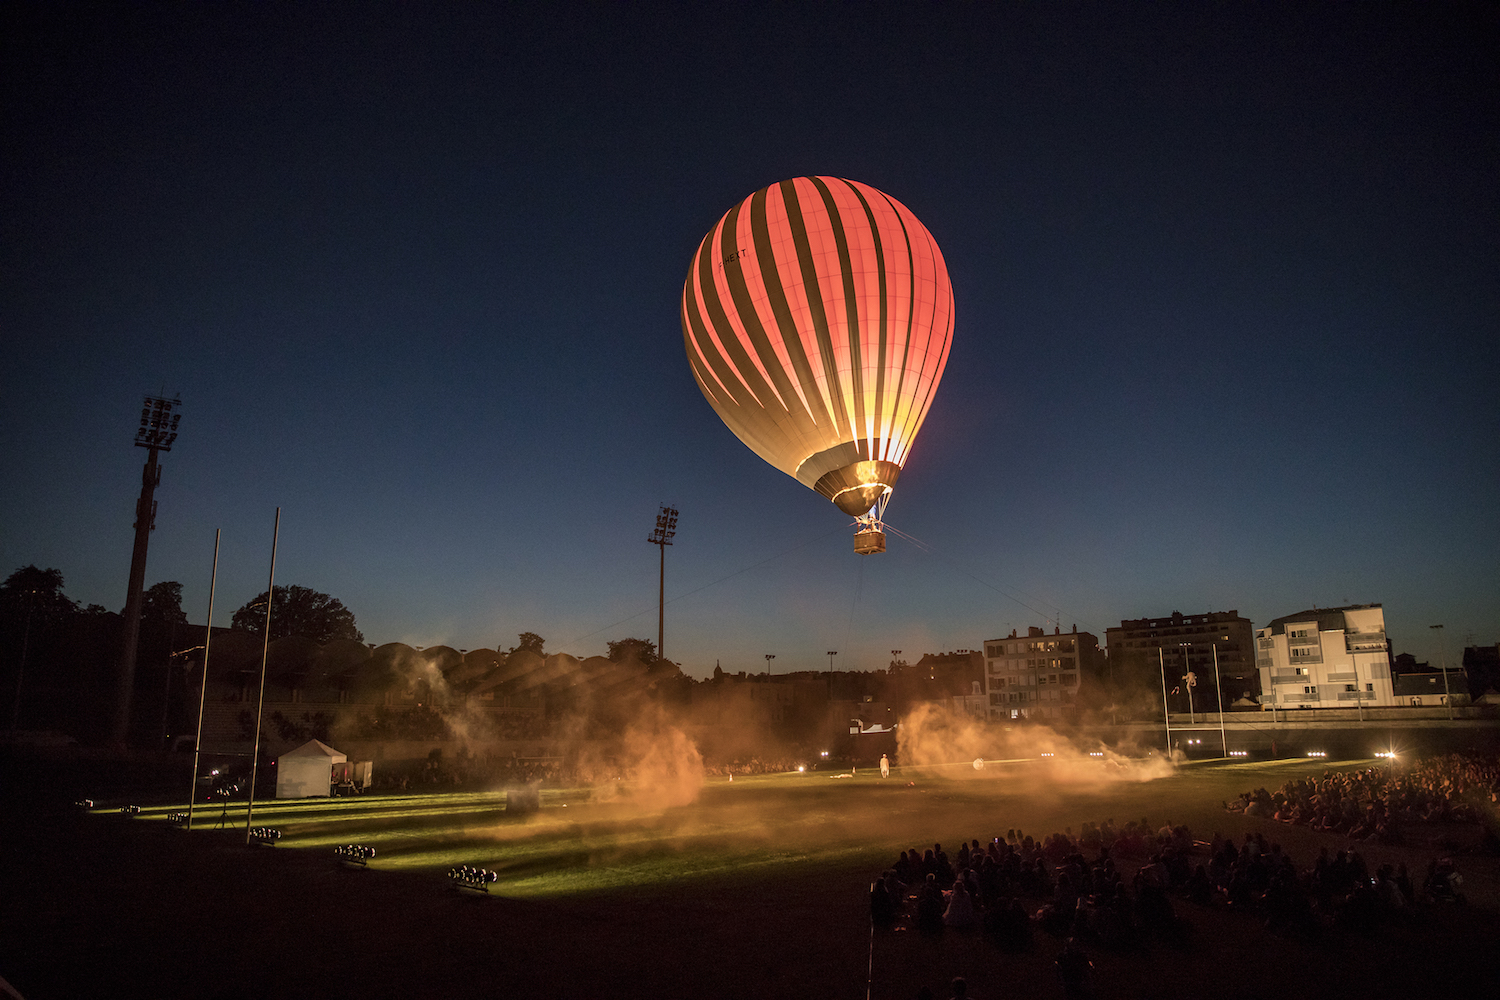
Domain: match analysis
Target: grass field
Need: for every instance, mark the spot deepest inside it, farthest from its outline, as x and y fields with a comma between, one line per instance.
x=757, y=889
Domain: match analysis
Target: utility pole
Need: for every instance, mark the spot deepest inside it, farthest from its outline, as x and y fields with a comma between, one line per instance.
x=666, y=527
x=157, y=431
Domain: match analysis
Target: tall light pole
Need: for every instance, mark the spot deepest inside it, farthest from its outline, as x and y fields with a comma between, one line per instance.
x=831, y=654
x=1443, y=661
x=666, y=527
x=157, y=431
x=769, y=658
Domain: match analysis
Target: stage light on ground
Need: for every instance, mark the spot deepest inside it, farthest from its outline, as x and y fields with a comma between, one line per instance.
x=177, y=818
x=1317, y=753
x=265, y=835
x=130, y=810
x=1239, y=753
x=85, y=804
x=354, y=854
x=469, y=877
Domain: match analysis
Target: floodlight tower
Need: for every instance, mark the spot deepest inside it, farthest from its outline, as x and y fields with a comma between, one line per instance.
x=156, y=433
x=666, y=527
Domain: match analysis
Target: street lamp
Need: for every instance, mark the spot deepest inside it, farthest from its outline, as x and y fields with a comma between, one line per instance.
x=1443, y=661
x=769, y=658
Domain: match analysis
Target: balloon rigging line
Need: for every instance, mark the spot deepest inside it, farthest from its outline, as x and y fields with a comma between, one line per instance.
x=929, y=549
x=713, y=583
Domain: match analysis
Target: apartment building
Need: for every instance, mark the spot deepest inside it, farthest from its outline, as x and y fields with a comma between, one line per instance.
x=1039, y=676
x=1325, y=658
x=1177, y=644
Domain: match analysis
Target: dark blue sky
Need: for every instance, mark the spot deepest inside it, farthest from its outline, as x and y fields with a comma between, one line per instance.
x=1226, y=277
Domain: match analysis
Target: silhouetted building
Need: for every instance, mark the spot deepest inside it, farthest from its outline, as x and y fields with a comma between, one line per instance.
x=1038, y=677
x=1326, y=658
x=1426, y=688
x=1482, y=665
x=1188, y=643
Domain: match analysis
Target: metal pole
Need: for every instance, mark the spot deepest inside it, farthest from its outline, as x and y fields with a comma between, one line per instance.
x=1359, y=696
x=1187, y=682
x=264, y=648
x=208, y=634
x=1443, y=661
x=661, y=607
x=15, y=711
x=1165, y=713
x=1219, y=693
x=145, y=520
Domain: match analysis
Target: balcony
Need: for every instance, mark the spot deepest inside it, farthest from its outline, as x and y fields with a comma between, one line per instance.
x=1356, y=696
x=1299, y=697
x=1343, y=677
x=1289, y=677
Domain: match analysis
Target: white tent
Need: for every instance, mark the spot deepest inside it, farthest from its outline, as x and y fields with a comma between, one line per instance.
x=306, y=771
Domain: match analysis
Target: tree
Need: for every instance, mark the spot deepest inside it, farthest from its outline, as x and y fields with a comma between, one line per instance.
x=298, y=611
x=529, y=641
x=162, y=604
x=37, y=593
x=643, y=651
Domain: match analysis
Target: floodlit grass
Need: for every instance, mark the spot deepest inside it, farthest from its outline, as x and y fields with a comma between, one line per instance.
x=580, y=842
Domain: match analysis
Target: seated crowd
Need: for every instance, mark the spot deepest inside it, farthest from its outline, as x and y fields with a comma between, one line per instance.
x=1374, y=803
x=1113, y=885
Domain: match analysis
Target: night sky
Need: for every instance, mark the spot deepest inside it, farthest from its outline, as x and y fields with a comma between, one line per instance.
x=1226, y=280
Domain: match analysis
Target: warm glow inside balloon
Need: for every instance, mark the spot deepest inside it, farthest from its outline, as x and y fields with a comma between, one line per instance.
x=817, y=317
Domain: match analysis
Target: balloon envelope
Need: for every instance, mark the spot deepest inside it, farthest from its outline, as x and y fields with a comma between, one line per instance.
x=817, y=317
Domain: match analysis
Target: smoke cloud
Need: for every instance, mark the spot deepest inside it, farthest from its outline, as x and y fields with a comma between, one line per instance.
x=933, y=735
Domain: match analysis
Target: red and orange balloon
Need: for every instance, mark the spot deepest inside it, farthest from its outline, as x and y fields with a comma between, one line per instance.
x=817, y=317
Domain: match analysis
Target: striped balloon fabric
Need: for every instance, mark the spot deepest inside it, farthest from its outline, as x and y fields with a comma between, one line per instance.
x=817, y=317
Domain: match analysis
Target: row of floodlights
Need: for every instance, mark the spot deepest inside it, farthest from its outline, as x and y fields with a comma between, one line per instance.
x=130, y=810
x=265, y=835
x=1386, y=753
x=177, y=818
x=85, y=804
x=469, y=877
x=1317, y=753
x=354, y=854
x=1239, y=753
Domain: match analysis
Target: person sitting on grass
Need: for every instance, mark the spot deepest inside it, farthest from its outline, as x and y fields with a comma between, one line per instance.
x=960, y=913
x=930, y=906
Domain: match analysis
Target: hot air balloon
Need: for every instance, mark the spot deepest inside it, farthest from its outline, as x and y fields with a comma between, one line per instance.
x=817, y=317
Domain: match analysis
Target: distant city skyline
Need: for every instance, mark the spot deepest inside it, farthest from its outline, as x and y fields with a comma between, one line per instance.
x=1225, y=281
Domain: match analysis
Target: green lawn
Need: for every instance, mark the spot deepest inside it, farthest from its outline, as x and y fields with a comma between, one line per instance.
x=758, y=889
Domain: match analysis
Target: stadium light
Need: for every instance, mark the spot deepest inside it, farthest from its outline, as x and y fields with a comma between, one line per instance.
x=666, y=527
x=470, y=877
x=156, y=433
